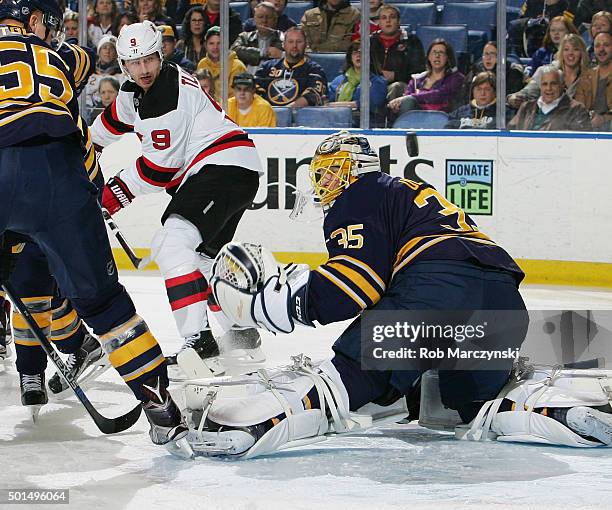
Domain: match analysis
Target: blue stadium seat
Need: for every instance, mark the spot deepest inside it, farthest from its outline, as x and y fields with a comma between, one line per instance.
x=330, y=62
x=324, y=117
x=417, y=14
x=478, y=16
x=242, y=8
x=284, y=116
x=296, y=10
x=456, y=35
x=425, y=119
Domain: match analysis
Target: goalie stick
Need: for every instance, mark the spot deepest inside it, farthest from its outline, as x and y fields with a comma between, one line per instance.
x=136, y=261
x=106, y=425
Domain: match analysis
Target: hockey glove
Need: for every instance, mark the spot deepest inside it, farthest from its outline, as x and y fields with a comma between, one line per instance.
x=116, y=195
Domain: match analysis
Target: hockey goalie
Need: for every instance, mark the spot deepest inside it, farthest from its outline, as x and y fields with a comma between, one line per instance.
x=393, y=244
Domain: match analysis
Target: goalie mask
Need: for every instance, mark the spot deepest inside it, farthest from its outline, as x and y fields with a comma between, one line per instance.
x=338, y=162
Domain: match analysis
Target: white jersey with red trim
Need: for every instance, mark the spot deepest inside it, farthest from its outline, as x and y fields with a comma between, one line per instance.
x=181, y=129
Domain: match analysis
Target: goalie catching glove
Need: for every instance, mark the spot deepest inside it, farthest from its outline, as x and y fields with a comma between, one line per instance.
x=253, y=291
x=116, y=195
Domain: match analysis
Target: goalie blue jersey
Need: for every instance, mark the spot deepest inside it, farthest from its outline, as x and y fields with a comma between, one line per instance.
x=37, y=92
x=376, y=229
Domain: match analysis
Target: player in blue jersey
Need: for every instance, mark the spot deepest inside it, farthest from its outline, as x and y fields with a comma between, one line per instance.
x=46, y=194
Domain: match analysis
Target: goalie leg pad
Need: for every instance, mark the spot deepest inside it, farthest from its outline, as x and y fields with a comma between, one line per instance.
x=538, y=388
x=174, y=249
x=276, y=398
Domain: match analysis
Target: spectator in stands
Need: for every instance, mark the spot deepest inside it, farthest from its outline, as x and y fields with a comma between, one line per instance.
x=295, y=80
x=345, y=89
x=192, y=42
x=375, y=6
x=488, y=62
x=212, y=61
x=206, y=81
x=526, y=33
x=152, y=10
x=572, y=59
x=171, y=54
x=601, y=22
x=107, y=63
x=587, y=9
x=595, y=91
x=108, y=90
x=246, y=108
x=396, y=53
x=127, y=18
x=263, y=43
x=211, y=16
x=481, y=111
x=283, y=22
x=559, y=27
x=104, y=13
x=435, y=88
x=71, y=26
x=330, y=26
x=553, y=110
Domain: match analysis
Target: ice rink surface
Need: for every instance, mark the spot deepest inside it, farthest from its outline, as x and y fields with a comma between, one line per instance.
x=403, y=466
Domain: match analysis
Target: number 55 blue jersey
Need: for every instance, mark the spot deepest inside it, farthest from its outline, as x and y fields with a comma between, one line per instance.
x=37, y=92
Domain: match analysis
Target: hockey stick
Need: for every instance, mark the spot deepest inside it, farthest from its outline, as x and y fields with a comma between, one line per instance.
x=136, y=261
x=106, y=425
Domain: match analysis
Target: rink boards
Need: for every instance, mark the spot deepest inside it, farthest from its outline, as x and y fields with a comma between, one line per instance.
x=542, y=196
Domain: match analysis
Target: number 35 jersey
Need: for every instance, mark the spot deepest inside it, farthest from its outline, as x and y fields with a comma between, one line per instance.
x=377, y=228
x=37, y=95
x=181, y=129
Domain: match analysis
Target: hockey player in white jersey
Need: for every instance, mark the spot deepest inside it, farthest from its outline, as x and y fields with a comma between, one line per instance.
x=194, y=152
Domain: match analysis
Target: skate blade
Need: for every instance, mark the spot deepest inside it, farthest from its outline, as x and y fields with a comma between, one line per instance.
x=34, y=412
x=215, y=444
x=591, y=422
x=91, y=373
x=180, y=448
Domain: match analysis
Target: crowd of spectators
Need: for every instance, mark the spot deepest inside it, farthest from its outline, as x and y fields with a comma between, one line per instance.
x=557, y=66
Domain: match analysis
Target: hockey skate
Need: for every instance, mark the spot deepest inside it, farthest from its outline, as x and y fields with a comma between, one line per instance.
x=87, y=363
x=590, y=422
x=198, y=358
x=5, y=331
x=241, y=351
x=33, y=393
x=167, y=425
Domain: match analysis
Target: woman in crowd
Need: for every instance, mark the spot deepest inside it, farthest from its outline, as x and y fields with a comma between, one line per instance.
x=127, y=18
x=345, y=89
x=559, y=27
x=105, y=12
x=572, y=59
x=192, y=43
x=437, y=87
x=108, y=89
x=152, y=10
x=71, y=25
x=107, y=63
x=488, y=62
x=481, y=111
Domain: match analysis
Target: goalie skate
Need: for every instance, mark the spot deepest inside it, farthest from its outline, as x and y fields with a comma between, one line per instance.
x=591, y=422
x=85, y=365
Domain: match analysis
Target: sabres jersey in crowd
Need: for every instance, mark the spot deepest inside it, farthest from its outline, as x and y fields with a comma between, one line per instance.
x=281, y=83
x=181, y=129
x=380, y=225
x=37, y=92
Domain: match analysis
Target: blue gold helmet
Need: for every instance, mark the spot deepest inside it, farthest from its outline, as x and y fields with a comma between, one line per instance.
x=11, y=9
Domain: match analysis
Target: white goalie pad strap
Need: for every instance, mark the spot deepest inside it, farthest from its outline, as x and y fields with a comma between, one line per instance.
x=536, y=388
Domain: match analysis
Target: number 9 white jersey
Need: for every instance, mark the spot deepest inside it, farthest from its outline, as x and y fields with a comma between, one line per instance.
x=181, y=129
